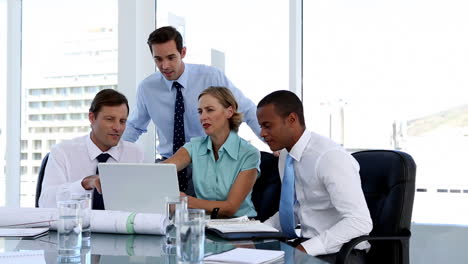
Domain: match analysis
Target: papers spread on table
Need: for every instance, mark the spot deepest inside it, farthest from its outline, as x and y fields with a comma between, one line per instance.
x=23, y=257
x=247, y=256
x=23, y=232
x=240, y=224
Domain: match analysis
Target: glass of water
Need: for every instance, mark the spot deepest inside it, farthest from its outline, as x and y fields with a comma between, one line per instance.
x=175, y=206
x=85, y=201
x=69, y=230
x=191, y=237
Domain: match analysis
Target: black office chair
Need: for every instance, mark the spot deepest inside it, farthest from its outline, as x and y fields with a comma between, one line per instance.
x=40, y=178
x=267, y=189
x=388, y=181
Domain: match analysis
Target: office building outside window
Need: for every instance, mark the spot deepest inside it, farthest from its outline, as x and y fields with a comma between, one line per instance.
x=66, y=60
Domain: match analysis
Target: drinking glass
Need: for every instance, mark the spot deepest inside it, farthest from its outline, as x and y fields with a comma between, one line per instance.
x=191, y=236
x=175, y=207
x=85, y=201
x=69, y=229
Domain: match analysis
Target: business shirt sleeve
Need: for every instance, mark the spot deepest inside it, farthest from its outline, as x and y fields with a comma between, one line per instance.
x=246, y=106
x=252, y=160
x=55, y=180
x=139, y=118
x=340, y=176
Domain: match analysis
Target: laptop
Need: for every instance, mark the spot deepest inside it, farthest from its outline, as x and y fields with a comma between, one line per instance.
x=137, y=187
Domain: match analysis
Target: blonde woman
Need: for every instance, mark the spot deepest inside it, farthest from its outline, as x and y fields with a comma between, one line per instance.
x=224, y=166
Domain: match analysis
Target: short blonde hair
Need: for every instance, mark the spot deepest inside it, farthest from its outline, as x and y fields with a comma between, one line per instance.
x=226, y=99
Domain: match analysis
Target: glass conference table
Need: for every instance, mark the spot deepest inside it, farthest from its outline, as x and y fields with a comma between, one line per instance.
x=135, y=249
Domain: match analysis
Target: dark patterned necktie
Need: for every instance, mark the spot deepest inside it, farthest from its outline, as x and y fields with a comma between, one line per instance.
x=179, y=133
x=98, y=202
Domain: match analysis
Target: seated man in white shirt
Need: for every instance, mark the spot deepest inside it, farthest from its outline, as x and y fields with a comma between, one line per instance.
x=72, y=164
x=321, y=186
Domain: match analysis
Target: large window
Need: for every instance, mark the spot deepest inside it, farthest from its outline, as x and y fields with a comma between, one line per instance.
x=249, y=45
x=69, y=52
x=3, y=85
x=392, y=74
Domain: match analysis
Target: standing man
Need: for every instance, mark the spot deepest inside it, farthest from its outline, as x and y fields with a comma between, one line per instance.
x=169, y=97
x=321, y=186
x=72, y=164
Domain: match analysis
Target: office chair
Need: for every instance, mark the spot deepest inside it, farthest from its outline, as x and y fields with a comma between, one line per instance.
x=40, y=178
x=388, y=181
x=267, y=189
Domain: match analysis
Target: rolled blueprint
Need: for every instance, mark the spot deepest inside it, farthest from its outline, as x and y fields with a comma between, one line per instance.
x=102, y=221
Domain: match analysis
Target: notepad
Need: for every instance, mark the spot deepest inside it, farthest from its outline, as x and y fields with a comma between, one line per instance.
x=240, y=224
x=23, y=232
x=247, y=256
x=242, y=228
x=23, y=257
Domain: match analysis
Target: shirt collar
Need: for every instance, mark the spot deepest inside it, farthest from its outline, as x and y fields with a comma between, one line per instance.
x=94, y=151
x=231, y=146
x=183, y=79
x=298, y=149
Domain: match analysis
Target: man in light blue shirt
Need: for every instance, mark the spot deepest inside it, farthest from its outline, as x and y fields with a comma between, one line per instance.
x=157, y=94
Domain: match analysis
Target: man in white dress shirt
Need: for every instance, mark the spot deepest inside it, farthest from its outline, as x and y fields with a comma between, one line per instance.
x=176, y=83
x=326, y=194
x=72, y=164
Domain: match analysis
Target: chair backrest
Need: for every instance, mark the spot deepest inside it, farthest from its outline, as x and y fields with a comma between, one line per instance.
x=388, y=181
x=40, y=178
x=267, y=189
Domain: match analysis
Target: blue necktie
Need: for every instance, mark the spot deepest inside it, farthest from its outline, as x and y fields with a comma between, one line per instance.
x=179, y=133
x=286, y=209
x=98, y=202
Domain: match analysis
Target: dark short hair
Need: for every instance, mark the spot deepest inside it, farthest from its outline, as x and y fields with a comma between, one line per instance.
x=285, y=102
x=165, y=34
x=226, y=99
x=107, y=97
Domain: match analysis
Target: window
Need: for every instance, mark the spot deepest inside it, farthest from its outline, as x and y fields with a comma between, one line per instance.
x=252, y=49
x=51, y=143
x=37, y=144
x=37, y=156
x=76, y=90
x=33, y=105
x=75, y=116
x=3, y=95
x=24, y=156
x=48, y=46
x=386, y=74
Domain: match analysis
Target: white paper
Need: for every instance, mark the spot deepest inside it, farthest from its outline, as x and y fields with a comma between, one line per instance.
x=104, y=221
x=23, y=257
x=246, y=256
x=240, y=224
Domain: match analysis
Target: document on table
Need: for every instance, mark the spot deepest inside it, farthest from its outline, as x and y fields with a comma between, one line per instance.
x=247, y=256
x=240, y=224
x=23, y=232
x=23, y=257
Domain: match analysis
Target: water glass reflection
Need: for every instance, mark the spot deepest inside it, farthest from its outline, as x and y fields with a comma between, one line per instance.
x=191, y=237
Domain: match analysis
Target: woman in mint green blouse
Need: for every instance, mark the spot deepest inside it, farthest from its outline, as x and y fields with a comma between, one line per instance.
x=225, y=166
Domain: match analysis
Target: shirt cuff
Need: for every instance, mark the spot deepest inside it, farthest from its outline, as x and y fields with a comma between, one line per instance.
x=76, y=187
x=314, y=247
